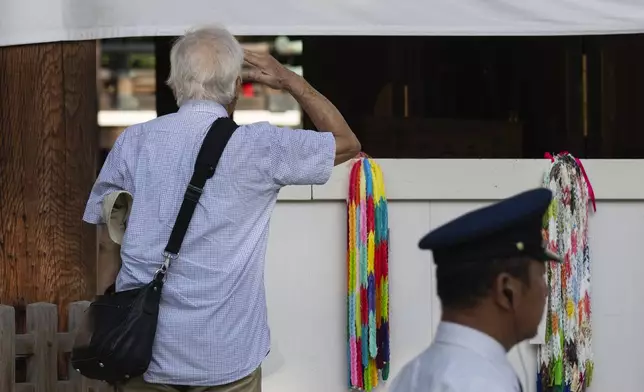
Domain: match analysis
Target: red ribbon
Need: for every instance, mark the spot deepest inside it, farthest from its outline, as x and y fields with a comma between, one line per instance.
x=591, y=192
x=548, y=155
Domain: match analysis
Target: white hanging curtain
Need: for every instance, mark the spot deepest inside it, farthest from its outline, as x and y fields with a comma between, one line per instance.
x=32, y=21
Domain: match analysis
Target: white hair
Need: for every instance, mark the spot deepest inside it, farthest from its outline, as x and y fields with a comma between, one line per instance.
x=205, y=64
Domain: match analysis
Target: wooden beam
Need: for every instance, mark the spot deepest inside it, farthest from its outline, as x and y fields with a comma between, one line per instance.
x=47, y=167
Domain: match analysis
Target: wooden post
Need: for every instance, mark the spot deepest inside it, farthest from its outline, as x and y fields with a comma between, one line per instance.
x=40, y=345
x=41, y=369
x=76, y=313
x=48, y=151
x=7, y=349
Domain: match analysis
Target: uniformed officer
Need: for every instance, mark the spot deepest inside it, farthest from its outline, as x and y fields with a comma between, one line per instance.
x=490, y=266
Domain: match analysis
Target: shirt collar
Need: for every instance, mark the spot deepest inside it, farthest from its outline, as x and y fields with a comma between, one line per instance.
x=471, y=339
x=482, y=344
x=203, y=106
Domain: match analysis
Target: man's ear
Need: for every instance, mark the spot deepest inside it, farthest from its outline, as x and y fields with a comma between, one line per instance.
x=230, y=108
x=504, y=292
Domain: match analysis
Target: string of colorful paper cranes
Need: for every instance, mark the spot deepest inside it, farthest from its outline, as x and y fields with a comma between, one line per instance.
x=368, y=276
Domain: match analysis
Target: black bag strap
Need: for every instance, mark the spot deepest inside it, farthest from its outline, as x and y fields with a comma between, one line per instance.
x=211, y=150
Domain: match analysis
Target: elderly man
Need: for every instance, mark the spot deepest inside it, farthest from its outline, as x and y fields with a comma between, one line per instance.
x=212, y=332
x=490, y=266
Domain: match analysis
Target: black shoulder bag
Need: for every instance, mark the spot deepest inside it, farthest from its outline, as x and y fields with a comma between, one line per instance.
x=114, y=341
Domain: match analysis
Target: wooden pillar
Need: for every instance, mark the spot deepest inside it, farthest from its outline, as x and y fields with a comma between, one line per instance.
x=48, y=146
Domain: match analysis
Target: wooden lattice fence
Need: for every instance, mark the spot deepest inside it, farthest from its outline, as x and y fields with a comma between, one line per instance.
x=40, y=347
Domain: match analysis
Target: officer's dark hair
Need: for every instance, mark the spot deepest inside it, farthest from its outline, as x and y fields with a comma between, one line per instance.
x=463, y=285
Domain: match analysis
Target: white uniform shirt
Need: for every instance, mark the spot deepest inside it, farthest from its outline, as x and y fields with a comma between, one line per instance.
x=460, y=359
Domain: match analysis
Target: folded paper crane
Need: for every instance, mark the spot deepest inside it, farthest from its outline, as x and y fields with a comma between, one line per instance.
x=368, y=276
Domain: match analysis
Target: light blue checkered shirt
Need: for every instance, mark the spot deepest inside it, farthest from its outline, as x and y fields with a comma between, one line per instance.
x=213, y=326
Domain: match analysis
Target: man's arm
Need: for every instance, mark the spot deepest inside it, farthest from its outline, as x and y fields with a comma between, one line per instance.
x=114, y=176
x=326, y=117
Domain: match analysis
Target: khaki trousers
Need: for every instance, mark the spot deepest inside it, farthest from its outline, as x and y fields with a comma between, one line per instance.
x=250, y=383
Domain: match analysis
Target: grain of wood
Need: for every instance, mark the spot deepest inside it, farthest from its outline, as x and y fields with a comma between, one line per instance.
x=15, y=82
x=47, y=167
x=41, y=368
x=7, y=349
x=81, y=145
x=41, y=140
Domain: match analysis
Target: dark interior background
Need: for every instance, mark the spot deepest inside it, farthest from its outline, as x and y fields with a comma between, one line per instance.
x=469, y=97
